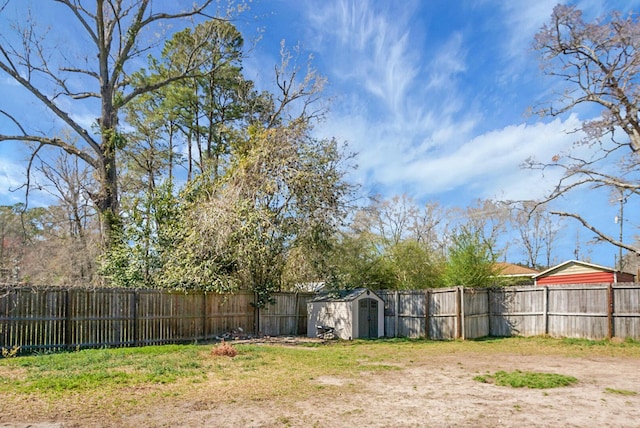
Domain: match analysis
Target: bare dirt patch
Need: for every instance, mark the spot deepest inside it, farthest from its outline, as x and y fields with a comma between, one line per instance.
x=436, y=390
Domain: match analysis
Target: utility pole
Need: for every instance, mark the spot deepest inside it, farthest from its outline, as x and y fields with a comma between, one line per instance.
x=620, y=219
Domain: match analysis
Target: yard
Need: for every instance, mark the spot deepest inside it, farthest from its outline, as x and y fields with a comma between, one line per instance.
x=310, y=383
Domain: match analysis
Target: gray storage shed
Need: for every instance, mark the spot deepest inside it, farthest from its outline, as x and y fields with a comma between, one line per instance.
x=352, y=314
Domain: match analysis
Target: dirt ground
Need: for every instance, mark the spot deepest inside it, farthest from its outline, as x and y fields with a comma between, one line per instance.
x=440, y=392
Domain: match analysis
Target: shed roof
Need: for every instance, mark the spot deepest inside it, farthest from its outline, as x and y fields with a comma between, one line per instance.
x=568, y=263
x=341, y=295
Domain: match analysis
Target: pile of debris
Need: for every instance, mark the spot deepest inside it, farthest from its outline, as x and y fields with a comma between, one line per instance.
x=236, y=334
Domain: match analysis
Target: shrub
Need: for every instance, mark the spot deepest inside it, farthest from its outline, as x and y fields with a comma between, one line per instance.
x=224, y=350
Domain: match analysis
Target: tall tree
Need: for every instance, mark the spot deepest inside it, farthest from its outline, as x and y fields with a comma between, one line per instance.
x=598, y=62
x=114, y=34
x=283, y=190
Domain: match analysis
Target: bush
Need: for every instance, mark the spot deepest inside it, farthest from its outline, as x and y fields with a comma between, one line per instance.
x=224, y=350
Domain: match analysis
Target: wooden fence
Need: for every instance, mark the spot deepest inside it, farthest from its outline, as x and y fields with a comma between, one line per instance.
x=57, y=319
x=36, y=319
x=590, y=311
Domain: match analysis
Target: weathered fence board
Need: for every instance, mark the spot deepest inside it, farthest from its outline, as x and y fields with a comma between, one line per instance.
x=476, y=314
x=443, y=315
x=286, y=316
x=517, y=311
x=578, y=312
x=626, y=300
x=54, y=319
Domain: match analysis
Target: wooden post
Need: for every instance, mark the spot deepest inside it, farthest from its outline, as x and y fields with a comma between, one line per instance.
x=135, y=302
x=426, y=314
x=67, y=319
x=489, y=291
x=463, y=333
x=205, y=327
x=296, y=328
x=610, y=304
x=5, y=337
x=396, y=315
x=545, y=310
x=458, y=334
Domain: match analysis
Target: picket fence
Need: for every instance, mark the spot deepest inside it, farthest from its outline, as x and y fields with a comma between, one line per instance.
x=53, y=319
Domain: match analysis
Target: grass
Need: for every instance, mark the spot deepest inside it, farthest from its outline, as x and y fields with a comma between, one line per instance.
x=120, y=379
x=520, y=379
x=620, y=392
x=94, y=369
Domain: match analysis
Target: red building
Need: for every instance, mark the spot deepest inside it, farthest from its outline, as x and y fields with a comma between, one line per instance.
x=576, y=272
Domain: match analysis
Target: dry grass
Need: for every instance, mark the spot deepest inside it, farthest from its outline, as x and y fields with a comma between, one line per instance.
x=124, y=382
x=224, y=350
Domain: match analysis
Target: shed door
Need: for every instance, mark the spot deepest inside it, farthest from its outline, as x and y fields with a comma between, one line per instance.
x=368, y=318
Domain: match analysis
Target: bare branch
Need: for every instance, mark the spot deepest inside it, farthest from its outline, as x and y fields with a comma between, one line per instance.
x=44, y=141
x=599, y=233
x=52, y=106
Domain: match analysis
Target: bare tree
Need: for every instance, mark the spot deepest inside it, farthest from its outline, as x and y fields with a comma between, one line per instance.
x=599, y=62
x=487, y=220
x=72, y=227
x=537, y=232
x=114, y=34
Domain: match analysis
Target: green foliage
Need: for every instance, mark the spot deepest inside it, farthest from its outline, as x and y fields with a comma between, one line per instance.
x=470, y=262
x=414, y=266
x=137, y=256
x=357, y=262
x=520, y=379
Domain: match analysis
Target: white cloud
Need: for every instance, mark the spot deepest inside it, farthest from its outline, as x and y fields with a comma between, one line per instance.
x=488, y=165
x=369, y=47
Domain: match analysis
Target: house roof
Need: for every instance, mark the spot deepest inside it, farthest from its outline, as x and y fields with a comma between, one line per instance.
x=564, y=265
x=342, y=295
x=509, y=269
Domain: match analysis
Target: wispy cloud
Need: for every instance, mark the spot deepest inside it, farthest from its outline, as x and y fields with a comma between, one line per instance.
x=369, y=47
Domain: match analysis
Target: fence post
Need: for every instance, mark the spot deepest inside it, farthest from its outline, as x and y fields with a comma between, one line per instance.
x=135, y=303
x=5, y=339
x=610, y=304
x=458, y=334
x=545, y=309
x=67, y=319
x=396, y=315
x=205, y=330
x=463, y=332
x=489, y=291
x=426, y=314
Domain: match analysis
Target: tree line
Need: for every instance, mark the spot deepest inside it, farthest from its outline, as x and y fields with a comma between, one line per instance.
x=189, y=241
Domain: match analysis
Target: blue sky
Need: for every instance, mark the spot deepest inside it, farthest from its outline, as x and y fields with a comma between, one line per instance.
x=432, y=95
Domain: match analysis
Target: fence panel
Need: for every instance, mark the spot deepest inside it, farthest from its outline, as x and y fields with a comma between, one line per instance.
x=31, y=319
x=626, y=311
x=229, y=312
x=412, y=311
x=578, y=312
x=286, y=316
x=443, y=315
x=517, y=311
x=169, y=317
x=390, y=305
x=476, y=313
x=99, y=318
